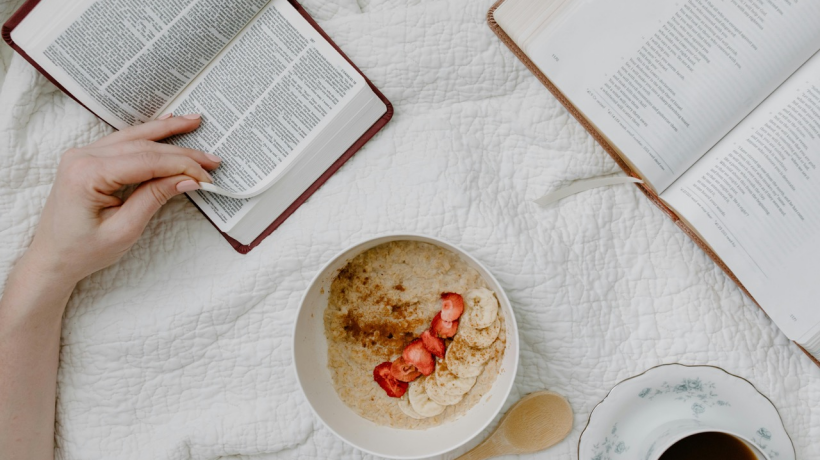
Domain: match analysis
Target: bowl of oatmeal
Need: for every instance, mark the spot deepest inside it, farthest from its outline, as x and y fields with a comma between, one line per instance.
x=405, y=346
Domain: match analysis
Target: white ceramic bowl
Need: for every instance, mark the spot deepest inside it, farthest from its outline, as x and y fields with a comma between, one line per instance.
x=310, y=360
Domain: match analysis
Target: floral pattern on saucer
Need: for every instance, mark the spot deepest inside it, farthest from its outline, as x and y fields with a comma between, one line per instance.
x=703, y=394
x=619, y=427
x=610, y=444
x=762, y=439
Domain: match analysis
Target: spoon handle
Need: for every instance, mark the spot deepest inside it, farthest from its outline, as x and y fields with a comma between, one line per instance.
x=487, y=449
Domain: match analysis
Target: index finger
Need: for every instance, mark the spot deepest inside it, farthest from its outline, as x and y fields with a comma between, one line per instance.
x=122, y=170
x=153, y=130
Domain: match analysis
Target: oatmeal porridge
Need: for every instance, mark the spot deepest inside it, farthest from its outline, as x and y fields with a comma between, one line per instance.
x=415, y=336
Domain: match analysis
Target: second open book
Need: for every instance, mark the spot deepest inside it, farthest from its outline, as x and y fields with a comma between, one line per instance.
x=716, y=106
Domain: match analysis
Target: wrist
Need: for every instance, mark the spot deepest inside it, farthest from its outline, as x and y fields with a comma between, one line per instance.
x=45, y=263
x=33, y=290
x=38, y=271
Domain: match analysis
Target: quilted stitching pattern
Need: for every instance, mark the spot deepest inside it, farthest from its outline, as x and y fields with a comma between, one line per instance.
x=182, y=350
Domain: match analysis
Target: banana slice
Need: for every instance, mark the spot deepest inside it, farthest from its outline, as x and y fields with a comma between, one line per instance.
x=404, y=405
x=463, y=370
x=466, y=361
x=480, y=338
x=449, y=382
x=481, y=308
x=421, y=402
x=459, y=351
x=438, y=395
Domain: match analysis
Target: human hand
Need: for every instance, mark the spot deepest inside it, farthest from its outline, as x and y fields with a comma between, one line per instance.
x=84, y=227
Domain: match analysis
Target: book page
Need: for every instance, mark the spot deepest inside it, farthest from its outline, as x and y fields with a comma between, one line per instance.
x=263, y=102
x=666, y=80
x=127, y=59
x=754, y=199
x=522, y=20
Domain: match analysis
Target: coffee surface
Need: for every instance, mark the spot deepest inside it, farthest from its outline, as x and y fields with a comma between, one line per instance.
x=709, y=446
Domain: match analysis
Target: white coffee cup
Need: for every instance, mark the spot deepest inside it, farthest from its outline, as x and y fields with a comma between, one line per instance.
x=665, y=436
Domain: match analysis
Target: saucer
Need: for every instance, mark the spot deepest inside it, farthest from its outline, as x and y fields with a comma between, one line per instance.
x=620, y=424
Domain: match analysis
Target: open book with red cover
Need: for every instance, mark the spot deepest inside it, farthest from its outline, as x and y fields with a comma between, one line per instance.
x=281, y=104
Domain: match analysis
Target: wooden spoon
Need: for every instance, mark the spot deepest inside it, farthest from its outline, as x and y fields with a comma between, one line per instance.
x=536, y=422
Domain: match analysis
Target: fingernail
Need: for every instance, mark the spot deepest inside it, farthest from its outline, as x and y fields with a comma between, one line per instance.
x=188, y=186
x=209, y=176
x=192, y=116
x=213, y=157
x=166, y=116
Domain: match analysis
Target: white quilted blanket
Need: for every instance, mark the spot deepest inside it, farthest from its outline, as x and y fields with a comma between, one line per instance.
x=182, y=350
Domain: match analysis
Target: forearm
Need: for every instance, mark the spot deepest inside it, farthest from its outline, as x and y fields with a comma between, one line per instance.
x=31, y=311
x=85, y=226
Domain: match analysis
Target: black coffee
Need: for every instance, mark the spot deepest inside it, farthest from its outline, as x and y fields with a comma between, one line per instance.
x=709, y=446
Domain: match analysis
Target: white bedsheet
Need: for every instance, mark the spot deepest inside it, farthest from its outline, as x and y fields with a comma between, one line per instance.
x=182, y=350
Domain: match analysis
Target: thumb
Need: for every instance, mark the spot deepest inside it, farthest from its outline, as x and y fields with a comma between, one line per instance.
x=150, y=196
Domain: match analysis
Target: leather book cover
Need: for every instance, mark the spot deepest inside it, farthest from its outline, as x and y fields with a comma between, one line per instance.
x=29, y=5
x=613, y=152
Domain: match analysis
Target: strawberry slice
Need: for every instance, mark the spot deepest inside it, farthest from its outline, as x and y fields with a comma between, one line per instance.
x=417, y=355
x=404, y=371
x=433, y=344
x=391, y=386
x=444, y=329
x=452, y=306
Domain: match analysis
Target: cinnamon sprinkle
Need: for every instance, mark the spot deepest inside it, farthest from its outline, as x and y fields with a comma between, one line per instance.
x=387, y=334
